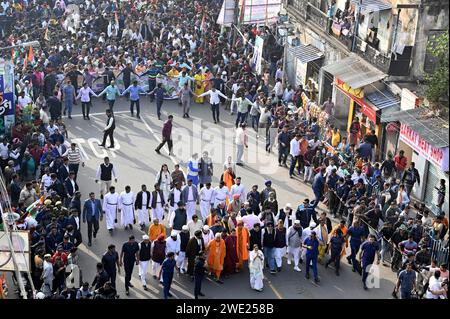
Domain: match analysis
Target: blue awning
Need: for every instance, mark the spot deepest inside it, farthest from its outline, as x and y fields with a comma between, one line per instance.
x=383, y=99
x=369, y=6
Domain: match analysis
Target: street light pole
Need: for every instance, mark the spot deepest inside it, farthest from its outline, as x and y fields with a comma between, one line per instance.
x=22, y=45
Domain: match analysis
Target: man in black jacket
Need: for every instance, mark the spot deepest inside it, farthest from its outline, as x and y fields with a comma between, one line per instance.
x=256, y=236
x=71, y=187
x=199, y=274
x=109, y=129
x=54, y=106
x=410, y=177
x=194, y=247
x=179, y=217
x=142, y=205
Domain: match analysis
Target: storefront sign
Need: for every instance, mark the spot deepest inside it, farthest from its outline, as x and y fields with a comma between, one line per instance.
x=435, y=155
x=366, y=109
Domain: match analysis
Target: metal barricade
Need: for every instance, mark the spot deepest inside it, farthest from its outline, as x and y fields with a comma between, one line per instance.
x=439, y=251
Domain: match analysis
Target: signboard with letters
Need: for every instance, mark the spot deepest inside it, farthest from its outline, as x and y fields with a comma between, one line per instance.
x=437, y=156
x=7, y=106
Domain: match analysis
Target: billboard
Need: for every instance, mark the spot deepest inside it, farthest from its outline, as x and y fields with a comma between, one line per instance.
x=7, y=106
x=257, y=54
x=260, y=11
x=251, y=12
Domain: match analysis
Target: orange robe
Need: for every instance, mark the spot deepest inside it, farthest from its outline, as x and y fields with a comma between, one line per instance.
x=216, y=256
x=242, y=235
x=155, y=230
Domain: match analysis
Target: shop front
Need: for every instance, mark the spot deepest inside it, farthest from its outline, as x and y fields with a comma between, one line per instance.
x=430, y=153
x=303, y=66
x=360, y=93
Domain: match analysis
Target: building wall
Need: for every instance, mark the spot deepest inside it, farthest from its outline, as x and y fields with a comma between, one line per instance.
x=432, y=16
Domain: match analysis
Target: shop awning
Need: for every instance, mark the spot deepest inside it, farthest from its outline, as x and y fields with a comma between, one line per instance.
x=432, y=129
x=383, y=99
x=306, y=53
x=369, y=6
x=355, y=72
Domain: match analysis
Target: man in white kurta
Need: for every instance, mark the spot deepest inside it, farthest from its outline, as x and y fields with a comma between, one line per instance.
x=220, y=195
x=194, y=225
x=206, y=196
x=294, y=244
x=191, y=201
x=158, y=211
x=207, y=234
x=126, y=208
x=142, y=211
x=175, y=197
x=239, y=189
x=110, y=204
x=173, y=244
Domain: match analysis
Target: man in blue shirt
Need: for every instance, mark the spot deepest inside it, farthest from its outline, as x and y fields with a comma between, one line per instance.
x=312, y=252
x=369, y=249
x=159, y=95
x=134, y=91
x=167, y=270
x=356, y=232
x=318, y=186
x=68, y=94
x=406, y=282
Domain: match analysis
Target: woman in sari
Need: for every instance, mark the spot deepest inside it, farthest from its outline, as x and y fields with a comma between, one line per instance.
x=256, y=266
x=199, y=87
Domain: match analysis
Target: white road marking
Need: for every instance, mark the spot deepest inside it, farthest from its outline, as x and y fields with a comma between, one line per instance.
x=166, y=149
x=103, y=113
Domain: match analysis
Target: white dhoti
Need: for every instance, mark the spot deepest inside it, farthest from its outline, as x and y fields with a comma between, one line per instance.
x=158, y=212
x=127, y=215
x=143, y=266
x=182, y=260
x=156, y=267
x=143, y=217
x=190, y=209
x=279, y=252
x=295, y=252
x=111, y=214
x=205, y=207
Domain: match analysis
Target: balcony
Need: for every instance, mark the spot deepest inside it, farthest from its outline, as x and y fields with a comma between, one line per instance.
x=372, y=55
x=318, y=17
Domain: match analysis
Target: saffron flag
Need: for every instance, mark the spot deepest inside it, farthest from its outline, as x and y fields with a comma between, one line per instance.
x=202, y=26
x=31, y=210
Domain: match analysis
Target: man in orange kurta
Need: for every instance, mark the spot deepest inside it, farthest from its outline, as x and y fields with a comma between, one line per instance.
x=217, y=251
x=155, y=230
x=242, y=235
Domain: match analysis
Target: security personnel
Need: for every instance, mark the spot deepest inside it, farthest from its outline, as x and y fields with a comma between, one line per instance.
x=109, y=129
x=199, y=274
x=110, y=261
x=128, y=257
x=167, y=270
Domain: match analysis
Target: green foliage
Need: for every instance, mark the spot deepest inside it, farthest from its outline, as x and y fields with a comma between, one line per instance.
x=437, y=83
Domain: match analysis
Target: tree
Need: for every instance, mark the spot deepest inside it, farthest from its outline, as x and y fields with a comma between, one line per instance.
x=436, y=91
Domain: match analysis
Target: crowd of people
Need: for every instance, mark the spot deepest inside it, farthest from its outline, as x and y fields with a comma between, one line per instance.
x=192, y=226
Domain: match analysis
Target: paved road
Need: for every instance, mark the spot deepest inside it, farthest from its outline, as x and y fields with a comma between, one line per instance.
x=137, y=163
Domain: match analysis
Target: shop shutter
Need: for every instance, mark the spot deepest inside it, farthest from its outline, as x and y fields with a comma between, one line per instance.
x=433, y=177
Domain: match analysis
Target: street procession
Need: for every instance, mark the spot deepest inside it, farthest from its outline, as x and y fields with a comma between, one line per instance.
x=224, y=149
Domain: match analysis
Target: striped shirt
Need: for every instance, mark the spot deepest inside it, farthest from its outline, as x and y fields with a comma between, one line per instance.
x=75, y=156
